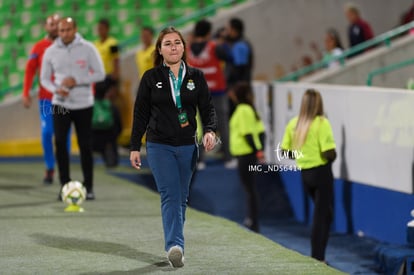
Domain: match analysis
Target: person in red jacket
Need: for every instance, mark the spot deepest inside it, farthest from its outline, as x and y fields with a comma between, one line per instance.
x=208, y=56
x=45, y=97
x=359, y=30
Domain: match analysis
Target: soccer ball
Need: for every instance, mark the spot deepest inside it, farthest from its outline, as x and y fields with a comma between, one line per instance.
x=73, y=193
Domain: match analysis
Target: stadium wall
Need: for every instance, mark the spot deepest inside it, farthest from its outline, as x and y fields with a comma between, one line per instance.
x=356, y=70
x=281, y=31
x=374, y=170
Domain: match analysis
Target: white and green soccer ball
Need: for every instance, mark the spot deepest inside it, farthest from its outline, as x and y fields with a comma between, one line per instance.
x=73, y=193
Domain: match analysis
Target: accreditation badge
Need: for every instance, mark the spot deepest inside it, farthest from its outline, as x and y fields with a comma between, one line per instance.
x=190, y=85
x=183, y=119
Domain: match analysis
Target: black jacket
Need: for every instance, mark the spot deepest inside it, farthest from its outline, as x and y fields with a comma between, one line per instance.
x=155, y=111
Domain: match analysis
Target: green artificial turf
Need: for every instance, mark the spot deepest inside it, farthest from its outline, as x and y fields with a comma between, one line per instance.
x=121, y=233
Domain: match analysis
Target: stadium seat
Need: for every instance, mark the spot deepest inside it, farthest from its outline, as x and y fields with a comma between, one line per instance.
x=21, y=23
x=130, y=29
x=186, y=4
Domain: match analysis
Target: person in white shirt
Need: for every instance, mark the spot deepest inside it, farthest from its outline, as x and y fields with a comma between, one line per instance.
x=69, y=68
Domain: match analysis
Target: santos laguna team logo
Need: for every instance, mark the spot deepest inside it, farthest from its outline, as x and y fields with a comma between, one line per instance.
x=190, y=85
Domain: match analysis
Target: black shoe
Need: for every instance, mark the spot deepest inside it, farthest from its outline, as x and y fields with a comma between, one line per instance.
x=48, y=177
x=59, y=197
x=250, y=224
x=90, y=196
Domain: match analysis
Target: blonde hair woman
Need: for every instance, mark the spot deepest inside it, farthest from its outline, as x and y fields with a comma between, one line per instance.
x=311, y=134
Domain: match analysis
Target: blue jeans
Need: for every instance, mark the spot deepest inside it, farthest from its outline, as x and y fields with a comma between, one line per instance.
x=46, y=124
x=172, y=167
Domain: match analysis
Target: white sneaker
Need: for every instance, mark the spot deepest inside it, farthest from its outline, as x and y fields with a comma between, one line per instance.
x=175, y=256
x=231, y=164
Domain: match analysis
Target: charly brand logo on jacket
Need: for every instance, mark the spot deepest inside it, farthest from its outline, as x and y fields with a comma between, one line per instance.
x=81, y=63
x=159, y=85
x=190, y=85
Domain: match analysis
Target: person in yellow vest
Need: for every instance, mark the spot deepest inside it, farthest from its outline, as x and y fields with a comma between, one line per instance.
x=309, y=139
x=144, y=56
x=247, y=136
x=108, y=49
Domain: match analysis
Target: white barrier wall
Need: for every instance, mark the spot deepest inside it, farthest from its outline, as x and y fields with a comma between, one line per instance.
x=262, y=104
x=373, y=128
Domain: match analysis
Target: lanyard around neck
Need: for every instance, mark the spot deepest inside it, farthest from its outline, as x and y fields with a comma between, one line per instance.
x=177, y=85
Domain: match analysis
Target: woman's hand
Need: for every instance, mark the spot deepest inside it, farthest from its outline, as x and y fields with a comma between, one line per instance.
x=209, y=141
x=135, y=159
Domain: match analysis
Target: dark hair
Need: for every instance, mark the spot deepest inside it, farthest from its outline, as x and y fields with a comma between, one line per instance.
x=243, y=92
x=148, y=29
x=158, y=59
x=202, y=28
x=104, y=22
x=334, y=34
x=237, y=25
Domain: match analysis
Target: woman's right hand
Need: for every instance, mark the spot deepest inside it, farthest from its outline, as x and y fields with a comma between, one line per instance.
x=135, y=159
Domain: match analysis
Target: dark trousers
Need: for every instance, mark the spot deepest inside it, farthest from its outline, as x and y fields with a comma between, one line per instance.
x=247, y=179
x=82, y=119
x=318, y=183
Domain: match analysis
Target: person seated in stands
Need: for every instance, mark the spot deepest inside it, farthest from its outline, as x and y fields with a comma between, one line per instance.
x=333, y=48
x=106, y=123
x=359, y=30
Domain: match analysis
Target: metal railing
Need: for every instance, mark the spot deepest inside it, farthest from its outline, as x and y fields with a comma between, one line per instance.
x=384, y=38
x=133, y=41
x=387, y=69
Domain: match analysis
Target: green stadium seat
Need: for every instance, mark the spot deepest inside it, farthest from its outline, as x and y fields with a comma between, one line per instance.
x=21, y=23
x=186, y=4
x=98, y=5
x=129, y=4
x=28, y=4
x=35, y=6
x=21, y=63
x=151, y=4
x=129, y=30
x=89, y=16
x=119, y=16
x=15, y=78
x=26, y=18
x=36, y=32
x=91, y=3
x=141, y=18
x=63, y=5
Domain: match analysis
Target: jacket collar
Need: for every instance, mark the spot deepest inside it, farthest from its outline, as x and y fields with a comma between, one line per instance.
x=78, y=39
x=189, y=70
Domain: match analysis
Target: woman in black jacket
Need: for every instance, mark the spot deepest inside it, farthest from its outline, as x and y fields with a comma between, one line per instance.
x=165, y=108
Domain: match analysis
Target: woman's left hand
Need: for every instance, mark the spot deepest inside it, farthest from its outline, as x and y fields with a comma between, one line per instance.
x=209, y=141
